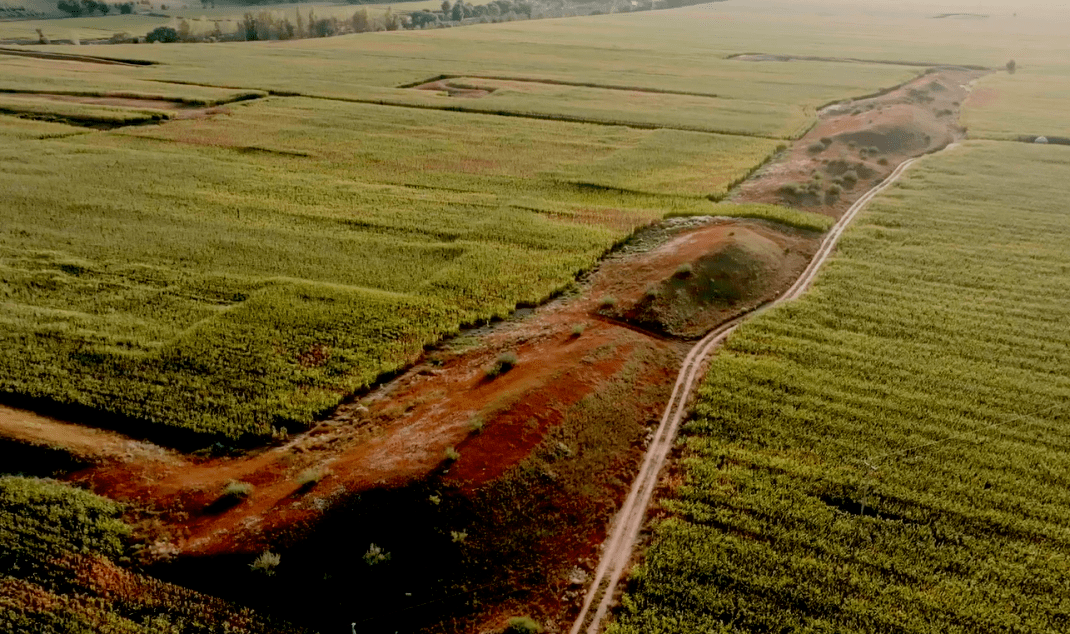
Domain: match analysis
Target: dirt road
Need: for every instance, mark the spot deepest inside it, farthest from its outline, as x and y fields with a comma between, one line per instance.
x=629, y=521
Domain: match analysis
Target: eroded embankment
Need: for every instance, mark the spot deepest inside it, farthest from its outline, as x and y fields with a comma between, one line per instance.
x=856, y=145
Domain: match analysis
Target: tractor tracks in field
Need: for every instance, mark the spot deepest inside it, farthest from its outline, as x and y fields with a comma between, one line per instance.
x=624, y=532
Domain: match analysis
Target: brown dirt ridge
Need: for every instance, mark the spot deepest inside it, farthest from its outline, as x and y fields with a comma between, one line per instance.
x=856, y=145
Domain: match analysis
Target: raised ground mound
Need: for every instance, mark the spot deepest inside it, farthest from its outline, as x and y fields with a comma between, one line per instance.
x=733, y=276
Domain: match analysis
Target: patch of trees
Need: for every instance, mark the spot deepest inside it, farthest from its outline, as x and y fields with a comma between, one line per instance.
x=274, y=25
x=74, y=8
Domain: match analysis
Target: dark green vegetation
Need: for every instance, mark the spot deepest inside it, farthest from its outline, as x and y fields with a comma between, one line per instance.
x=58, y=574
x=888, y=453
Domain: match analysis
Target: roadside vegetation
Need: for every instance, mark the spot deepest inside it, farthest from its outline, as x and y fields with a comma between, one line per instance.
x=881, y=454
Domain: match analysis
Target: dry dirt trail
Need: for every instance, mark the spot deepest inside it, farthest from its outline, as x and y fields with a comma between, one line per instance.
x=625, y=531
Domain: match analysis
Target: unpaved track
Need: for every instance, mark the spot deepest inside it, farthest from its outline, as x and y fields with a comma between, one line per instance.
x=629, y=521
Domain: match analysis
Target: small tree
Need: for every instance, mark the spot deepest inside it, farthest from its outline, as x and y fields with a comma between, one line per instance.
x=126, y=8
x=72, y=7
x=458, y=11
x=163, y=34
x=361, y=22
x=1012, y=66
x=391, y=20
x=42, y=38
x=445, y=7
x=185, y=33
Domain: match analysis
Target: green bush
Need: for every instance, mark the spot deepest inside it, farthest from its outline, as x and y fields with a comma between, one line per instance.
x=237, y=490
x=506, y=361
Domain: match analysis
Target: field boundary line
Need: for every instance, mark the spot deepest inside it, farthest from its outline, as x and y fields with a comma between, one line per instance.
x=628, y=523
x=490, y=113
x=575, y=84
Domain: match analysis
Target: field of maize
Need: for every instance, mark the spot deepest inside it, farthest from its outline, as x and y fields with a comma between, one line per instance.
x=888, y=452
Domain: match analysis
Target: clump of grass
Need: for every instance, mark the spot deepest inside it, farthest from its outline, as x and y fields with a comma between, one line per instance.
x=651, y=293
x=684, y=270
x=522, y=625
x=458, y=537
x=791, y=190
x=578, y=329
x=237, y=490
x=310, y=477
x=607, y=302
x=452, y=455
x=848, y=179
x=266, y=563
x=376, y=555
x=476, y=424
x=506, y=361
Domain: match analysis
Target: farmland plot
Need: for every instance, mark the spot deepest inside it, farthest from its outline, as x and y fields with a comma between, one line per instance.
x=888, y=452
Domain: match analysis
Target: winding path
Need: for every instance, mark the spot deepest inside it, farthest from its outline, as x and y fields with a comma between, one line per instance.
x=629, y=521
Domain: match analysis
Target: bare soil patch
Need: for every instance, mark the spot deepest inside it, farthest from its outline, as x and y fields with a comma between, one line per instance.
x=858, y=144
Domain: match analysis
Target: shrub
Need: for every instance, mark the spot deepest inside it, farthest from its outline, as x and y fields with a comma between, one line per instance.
x=452, y=455
x=790, y=189
x=476, y=424
x=458, y=537
x=834, y=190
x=266, y=563
x=237, y=490
x=849, y=179
x=506, y=361
x=814, y=148
x=164, y=34
x=311, y=476
x=882, y=161
x=376, y=555
x=522, y=625
x=578, y=329
x=607, y=302
x=684, y=270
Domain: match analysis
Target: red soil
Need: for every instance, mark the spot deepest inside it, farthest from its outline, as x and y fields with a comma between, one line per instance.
x=401, y=432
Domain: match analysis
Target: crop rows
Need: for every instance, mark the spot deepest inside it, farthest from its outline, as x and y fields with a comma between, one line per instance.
x=887, y=453
x=235, y=274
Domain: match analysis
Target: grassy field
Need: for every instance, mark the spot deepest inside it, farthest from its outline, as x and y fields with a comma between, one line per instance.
x=245, y=271
x=235, y=273
x=885, y=453
x=1027, y=103
x=58, y=572
x=223, y=274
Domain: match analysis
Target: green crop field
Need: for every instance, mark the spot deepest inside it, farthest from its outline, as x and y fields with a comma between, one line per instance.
x=888, y=452
x=224, y=272
x=240, y=272
x=58, y=572
x=228, y=272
